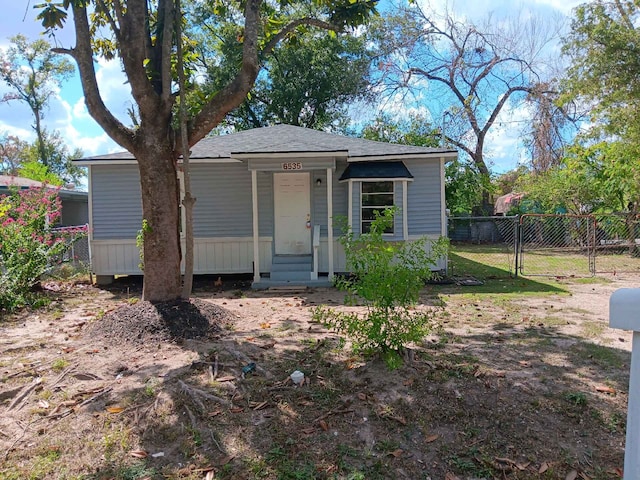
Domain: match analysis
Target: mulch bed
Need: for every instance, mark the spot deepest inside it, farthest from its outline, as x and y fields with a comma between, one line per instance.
x=145, y=322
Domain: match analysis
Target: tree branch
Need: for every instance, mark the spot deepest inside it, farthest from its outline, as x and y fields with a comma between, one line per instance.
x=496, y=110
x=213, y=112
x=271, y=44
x=114, y=26
x=167, y=38
x=134, y=36
x=83, y=55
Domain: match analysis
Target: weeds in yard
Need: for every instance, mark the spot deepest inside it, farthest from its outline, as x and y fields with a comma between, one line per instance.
x=577, y=399
x=59, y=364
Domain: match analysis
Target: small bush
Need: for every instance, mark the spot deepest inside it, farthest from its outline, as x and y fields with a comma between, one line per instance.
x=387, y=277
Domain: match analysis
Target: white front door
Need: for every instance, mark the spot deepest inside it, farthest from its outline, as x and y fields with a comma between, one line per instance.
x=292, y=209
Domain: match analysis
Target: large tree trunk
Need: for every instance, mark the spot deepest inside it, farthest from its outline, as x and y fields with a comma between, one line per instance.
x=160, y=199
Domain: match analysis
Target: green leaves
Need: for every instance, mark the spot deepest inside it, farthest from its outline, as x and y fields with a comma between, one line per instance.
x=604, y=49
x=387, y=277
x=52, y=16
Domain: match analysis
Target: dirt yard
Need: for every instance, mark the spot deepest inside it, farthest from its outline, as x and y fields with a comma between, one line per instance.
x=519, y=379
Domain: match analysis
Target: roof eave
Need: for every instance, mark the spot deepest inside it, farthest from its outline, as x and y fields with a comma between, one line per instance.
x=447, y=155
x=293, y=154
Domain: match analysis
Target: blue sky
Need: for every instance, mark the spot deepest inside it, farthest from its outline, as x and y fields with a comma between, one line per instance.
x=68, y=114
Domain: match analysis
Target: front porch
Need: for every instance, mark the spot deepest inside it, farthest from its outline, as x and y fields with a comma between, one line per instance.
x=295, y=258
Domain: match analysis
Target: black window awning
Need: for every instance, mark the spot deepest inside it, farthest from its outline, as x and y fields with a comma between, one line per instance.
x=376, y=170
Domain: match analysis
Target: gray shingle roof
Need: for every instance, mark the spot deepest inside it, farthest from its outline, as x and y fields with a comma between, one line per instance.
x=291, y=139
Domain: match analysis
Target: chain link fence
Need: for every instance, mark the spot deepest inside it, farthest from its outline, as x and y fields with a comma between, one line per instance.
x=556, y=245
x=553, y=245
x=77, y=252
x=617, y=243
x=483, y=246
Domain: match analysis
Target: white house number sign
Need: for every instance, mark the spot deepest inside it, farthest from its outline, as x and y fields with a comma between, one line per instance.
x=292, y=166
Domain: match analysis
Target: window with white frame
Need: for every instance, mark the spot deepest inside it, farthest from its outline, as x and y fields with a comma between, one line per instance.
x=376, y=196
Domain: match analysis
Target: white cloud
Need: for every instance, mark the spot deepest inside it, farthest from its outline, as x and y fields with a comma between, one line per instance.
x=114, y=88
x=79, y=110
x=564, y=6
x=505, y=148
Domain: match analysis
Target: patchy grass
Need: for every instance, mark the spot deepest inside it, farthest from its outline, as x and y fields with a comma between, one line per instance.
x=506, y=383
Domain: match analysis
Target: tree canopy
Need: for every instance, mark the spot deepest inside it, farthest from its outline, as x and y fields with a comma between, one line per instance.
x=143, y=36
x=295, y=86
x=33, y=73
x=603, y=48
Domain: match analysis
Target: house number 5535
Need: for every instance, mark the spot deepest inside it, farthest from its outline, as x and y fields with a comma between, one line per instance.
x=292, y=166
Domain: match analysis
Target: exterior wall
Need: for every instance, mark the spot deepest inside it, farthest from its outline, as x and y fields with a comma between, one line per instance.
x=223, y=207
x=423, y=197
x=230, y=255
x=75, y=211
x=219, y=255
x=319, y=214
x=223, y=215
x=116, y=202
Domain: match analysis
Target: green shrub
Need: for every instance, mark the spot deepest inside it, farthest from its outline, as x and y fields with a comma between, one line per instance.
x=27, y=244
x=387, y=277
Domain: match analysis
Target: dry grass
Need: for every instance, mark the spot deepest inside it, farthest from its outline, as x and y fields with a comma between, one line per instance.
x=508, y=385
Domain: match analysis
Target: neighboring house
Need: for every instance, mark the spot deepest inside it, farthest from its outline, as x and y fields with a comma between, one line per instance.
x=75, y=204
x=267, y=202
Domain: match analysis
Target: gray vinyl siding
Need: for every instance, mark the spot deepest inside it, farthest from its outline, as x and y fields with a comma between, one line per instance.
x=340, y=205
x=224, y=206
x=265, y=203
x=355, y=208
x=423, y=197
x=319, y=215
x=223, y=200
x=116, y=202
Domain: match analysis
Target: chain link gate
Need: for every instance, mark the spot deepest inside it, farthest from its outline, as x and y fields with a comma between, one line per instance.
x=561, y=245
x=617, y=242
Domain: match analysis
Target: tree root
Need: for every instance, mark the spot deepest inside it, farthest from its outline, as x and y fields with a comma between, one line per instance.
x=26, y=391
x=197, y=395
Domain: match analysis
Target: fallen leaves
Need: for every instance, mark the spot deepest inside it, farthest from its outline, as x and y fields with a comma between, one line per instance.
x=431, y=438
x=396, y=453
x=138, y=454
x=572, y=475
x=605, y=389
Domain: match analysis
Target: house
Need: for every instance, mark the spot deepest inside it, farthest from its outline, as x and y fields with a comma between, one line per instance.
x=75, y=204
x=268, y=199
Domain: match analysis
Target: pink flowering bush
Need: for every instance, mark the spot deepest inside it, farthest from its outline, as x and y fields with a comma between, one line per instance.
x=27, y=243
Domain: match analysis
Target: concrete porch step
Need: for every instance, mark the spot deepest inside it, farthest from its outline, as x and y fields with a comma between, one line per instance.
x=264, y=283
x=289, y=259
x=288, y=275
x=291, y=267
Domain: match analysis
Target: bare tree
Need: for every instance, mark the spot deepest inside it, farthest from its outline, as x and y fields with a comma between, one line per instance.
x=466, y=73
x=546, y=135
